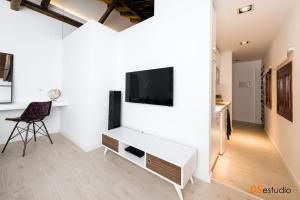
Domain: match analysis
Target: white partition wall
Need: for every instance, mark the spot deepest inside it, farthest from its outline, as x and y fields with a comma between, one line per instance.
x=184, y=42
x=284, y=134
x=89, y=60
x=97, y=58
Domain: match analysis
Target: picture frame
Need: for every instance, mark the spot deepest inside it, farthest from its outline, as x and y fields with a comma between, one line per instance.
x=6, y=77
x=268, y=89
x=285, y=91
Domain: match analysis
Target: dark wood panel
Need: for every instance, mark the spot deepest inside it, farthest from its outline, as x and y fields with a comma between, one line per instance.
x=285, y=92
x=110, y=143
x=110, y=8
x=50, y=13
x=135, y=10
x=2, y=64
x=45, y=4
x=268, y=87
x=164, y=168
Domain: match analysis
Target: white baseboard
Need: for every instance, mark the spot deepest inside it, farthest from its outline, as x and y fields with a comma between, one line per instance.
x=85, y=148
x=205, y=178
x=296, y=181
x=18, y=138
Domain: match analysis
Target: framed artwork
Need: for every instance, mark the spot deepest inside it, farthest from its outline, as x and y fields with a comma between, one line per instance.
x=268, y=88
x=285, y=92
x=6, y=77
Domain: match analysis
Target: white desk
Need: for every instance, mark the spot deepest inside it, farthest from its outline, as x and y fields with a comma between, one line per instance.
x=221, y=107
x=23, y=105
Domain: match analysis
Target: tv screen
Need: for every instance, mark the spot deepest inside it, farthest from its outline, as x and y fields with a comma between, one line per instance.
x=151, y=86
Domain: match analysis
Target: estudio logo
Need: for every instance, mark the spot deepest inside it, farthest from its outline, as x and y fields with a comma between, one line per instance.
x=254, y=189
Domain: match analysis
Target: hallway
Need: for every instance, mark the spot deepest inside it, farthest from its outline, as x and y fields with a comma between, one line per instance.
x=251, y=159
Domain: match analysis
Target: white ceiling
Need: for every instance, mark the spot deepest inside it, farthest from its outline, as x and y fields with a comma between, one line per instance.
x=259, y=26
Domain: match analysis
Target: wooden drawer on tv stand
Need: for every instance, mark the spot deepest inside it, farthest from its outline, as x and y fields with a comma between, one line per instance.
x=164, y=168
x=110, y=143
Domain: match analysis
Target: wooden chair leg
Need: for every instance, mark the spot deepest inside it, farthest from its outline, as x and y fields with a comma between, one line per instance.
x=47, y=132
x=10, y=137
x=25, y=142
x=34, y=133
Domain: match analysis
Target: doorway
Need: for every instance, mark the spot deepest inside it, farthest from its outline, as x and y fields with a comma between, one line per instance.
x=251, y=160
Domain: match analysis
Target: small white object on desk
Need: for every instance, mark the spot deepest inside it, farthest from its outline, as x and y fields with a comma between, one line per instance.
x=54, y=94
x=23, y=105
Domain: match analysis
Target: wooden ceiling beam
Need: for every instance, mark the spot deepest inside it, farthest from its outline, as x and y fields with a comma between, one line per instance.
x=129, y=5
x=109, y=9
x=135, y=20
x=126, y=14
x=50, y=13
x=45, y=4
x=121, y=8
x=15, y=4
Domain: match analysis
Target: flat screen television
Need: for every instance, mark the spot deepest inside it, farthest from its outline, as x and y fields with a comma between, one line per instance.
x=150, y=86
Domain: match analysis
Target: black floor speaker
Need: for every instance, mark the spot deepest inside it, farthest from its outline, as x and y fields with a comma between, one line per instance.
x=114, y=113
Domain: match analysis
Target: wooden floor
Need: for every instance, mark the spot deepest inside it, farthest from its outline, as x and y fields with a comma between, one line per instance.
x=251, y=159
x=62, y=171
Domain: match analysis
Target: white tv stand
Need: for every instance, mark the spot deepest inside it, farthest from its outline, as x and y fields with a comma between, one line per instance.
x=170, y=161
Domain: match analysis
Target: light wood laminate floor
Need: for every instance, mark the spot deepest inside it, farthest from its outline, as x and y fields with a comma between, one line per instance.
x=251, y=159
x=63, y=172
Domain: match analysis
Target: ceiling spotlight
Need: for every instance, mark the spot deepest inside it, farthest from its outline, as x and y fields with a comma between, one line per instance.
x=245, y=9
x=244, y=43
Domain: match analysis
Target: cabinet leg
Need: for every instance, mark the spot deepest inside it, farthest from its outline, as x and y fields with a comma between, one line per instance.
x=179, y=192
x=105, y=151
x=192, y=180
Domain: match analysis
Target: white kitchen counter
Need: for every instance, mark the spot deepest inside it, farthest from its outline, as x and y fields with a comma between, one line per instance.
x=219, y=108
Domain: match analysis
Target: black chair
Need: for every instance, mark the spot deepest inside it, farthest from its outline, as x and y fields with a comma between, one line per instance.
x=33, y=115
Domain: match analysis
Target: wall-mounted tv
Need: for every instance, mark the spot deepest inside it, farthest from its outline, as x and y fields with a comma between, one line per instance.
x=150, y=86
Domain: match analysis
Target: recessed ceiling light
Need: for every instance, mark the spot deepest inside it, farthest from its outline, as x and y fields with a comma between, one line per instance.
x=244, y=43
x=245, y=9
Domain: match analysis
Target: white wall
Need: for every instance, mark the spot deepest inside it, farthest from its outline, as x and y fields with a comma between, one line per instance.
x=246, y=101
x=89, y=60
x=214, y=141
x=224, y=88
x=35, y=41
x=285, y=134
x=67, y=29
x=184, y=42
x=5, y=93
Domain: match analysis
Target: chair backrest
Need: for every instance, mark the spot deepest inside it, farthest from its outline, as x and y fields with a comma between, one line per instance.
x=36, y=111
